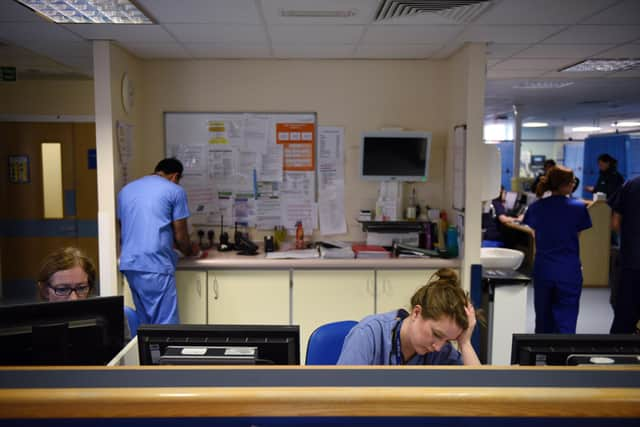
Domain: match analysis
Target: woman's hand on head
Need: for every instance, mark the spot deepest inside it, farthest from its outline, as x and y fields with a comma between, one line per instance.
x=465, y=336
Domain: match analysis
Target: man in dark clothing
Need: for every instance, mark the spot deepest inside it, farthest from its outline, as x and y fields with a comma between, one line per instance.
x=625, y=204
x=609, y=180
x=548, y=164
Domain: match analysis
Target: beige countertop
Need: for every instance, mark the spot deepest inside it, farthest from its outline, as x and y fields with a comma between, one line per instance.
x=231, y=261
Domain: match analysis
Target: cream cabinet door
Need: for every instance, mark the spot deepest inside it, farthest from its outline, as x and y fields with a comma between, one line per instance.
x=396, y=287
x=248, y=297
x=321, y=296
x=192, y=296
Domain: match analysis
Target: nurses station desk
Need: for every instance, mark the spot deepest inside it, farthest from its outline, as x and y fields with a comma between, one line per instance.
x=270, y=396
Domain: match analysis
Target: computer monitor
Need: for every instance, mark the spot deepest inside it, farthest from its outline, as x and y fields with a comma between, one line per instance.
x=80, y=332
x=574, y=349
x=219, y=345
x=395, y=156
x=510, y=200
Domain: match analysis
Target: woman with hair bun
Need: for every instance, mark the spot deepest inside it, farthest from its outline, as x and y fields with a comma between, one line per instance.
x=440, y=312
x=557, y=221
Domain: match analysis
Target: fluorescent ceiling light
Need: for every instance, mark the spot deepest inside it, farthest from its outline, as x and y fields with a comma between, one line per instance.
x=318, y=13
x=585, y=129
x=625, y=124
x=542, y=84
x=89, y=11
x=535, y=124
x=603, y=65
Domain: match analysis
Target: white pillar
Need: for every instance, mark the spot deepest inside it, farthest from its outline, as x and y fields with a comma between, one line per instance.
x=107, y=254
x=517, y=141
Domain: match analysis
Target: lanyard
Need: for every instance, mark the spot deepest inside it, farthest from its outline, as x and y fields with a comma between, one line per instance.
x=397, y=345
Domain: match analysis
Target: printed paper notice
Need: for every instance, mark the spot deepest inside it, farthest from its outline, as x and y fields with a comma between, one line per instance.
x=298, y=142
x=331, y=180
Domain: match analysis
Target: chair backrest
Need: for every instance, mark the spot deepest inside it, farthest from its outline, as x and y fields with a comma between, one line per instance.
x=325, y=343
x=132, y=320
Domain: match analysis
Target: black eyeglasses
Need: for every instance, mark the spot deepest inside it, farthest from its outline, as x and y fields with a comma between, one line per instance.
x=65, y=290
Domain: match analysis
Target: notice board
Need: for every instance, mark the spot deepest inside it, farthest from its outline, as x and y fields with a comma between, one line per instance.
x=256, y=169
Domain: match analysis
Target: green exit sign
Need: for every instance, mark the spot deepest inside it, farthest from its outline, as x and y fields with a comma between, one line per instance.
x=8, y=74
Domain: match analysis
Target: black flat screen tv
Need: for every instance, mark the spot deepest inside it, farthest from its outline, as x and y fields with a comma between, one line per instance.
x=574, y=349
x=395, y=156
x=79, y=332
x=219, y=345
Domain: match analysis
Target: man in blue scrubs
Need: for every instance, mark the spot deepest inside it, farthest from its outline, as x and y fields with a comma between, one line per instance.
x=153, y=215
x=625, y=204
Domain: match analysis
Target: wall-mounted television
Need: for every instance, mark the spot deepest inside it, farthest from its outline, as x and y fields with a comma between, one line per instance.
x=219, y=344
x=395, y=156
x=80, y=332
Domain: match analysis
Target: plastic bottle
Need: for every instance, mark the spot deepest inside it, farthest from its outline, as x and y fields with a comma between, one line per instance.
x=452, y=241
x=411, y=208
x=442, y=230
x=299, y=235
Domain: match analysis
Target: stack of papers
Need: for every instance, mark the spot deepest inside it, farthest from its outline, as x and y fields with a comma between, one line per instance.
x=295, y=254
x=336, y=253
x=370, y=251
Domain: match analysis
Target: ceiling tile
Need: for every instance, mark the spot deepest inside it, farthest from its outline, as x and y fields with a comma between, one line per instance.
x=596, y=34
x=316, y=34
x=396, y=34
x=415, y=51
x=504, y=50
x=625, y=51
x=538, y=12
x=156, y=50
x=625, y=12
x=562, y=50
x=532, y=64
x=508, y=33
x=202, y=11
x=218, y=33
x=298, y=51
x=56, y=49
x=27, y=32
x=365, y=11
x=629, y=73
x=122, y=32
x=213, y=50
x=11, y=11
x=512, y=74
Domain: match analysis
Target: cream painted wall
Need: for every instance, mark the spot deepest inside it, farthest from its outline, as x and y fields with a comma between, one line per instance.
x=47, y=97
x=358, y=95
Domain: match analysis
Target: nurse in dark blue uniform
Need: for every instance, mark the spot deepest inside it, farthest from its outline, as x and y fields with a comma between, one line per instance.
x=557, y=220
x=626, y=218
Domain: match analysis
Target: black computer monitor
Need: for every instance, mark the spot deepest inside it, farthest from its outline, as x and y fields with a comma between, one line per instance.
x=219, y=344
x=80, y=332
x=578, y=349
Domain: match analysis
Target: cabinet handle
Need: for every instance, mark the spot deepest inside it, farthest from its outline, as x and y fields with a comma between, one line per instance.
x=199, y=288
x=215, y=288
x=370, y=289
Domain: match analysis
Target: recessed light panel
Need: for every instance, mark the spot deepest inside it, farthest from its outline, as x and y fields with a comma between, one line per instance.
x=585, y=129
x=535, y=124
x=603, y=65
x=542, y=84
x=89, y=11
x=626, y=124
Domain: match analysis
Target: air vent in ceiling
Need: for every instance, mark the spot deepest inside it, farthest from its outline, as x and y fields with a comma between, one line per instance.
x=456, y=11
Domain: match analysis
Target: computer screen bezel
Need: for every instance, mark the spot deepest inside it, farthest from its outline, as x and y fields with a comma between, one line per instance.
x=397, y=136
x=562, y=346
x=17, y=322
x=215, y=335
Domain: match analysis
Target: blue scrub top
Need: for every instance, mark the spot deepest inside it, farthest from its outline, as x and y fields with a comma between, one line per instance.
x=146, y=209
x=557, y=220
x=370, y=343
x=626, y=202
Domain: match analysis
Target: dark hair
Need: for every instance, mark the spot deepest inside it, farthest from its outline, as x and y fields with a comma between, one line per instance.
x=555, y=178
x=549, y=163
x=607, y=158
x=65, y=259
x=169, y=166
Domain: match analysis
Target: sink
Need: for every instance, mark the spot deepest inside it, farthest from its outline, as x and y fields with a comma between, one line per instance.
x=501, y=258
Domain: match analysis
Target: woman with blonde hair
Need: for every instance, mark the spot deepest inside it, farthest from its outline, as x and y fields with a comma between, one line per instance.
x=440, y=312
x=557, y=221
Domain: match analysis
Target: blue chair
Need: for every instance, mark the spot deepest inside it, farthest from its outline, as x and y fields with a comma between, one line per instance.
x=132, y=320
x=325, y=343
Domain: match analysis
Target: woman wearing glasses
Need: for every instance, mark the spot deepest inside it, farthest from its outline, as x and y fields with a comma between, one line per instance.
x=66, y=274
x=440, y=312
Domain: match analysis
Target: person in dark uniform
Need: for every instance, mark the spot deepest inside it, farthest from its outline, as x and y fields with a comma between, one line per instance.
x=609, y=180
x=626, y=219
x=548, y=164
x=557, y=275
x=494, y=220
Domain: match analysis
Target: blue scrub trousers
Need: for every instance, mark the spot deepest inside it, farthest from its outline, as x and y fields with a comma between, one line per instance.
x=154, y=295
x=626, y=310
x=556, y=305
